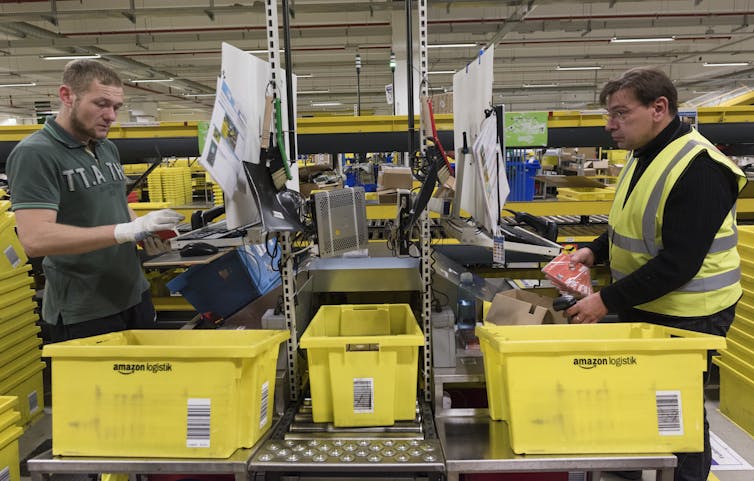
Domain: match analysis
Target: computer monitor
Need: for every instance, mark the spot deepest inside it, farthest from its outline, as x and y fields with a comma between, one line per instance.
x=279, y=211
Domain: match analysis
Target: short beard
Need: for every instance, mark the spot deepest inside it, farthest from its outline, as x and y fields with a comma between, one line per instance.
x=79, y=127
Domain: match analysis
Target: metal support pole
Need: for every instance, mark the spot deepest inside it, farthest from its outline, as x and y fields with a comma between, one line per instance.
x=358, y=92
x=426, y=253
x=358, y=84
x=410, y=79
x=392, y=73
x=289, y=84
x=287, y=274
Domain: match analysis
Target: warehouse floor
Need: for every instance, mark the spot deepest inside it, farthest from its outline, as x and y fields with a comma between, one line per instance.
x=37, y=438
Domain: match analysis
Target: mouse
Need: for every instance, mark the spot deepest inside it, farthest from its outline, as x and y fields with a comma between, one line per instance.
x=197, y=249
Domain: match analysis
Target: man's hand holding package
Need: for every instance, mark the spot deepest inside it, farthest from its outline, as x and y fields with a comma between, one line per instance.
x=588, y=310
x=141, y=227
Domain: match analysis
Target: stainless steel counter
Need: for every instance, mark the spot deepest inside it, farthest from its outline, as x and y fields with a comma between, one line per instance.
x=42, y=467
x=476, y=444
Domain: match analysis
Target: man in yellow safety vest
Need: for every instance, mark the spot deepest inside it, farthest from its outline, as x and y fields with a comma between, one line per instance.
x=671, y=238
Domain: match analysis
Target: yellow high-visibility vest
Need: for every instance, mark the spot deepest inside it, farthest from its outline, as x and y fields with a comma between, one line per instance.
x=635, y=231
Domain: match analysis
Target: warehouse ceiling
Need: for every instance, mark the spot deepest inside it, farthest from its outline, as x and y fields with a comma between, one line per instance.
x=181, y=40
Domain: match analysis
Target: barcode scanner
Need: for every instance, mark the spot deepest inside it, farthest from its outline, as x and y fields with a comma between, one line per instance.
x=563, y=302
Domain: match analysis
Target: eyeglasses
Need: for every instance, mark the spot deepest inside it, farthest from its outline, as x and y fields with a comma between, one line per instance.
x=618, y=115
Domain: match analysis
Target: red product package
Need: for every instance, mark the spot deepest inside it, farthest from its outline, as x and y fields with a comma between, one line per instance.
x=576, y=280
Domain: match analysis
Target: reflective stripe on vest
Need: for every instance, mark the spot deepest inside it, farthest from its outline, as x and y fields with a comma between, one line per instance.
x=647, y=245
x=706, y=284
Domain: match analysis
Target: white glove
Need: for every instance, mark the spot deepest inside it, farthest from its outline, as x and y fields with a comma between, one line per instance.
x=141, y=227
x=154, y=246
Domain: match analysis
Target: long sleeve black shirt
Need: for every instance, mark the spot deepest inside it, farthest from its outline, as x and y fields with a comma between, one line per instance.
x=695, y=209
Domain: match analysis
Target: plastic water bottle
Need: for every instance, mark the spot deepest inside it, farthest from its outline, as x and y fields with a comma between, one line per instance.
x=466, y=315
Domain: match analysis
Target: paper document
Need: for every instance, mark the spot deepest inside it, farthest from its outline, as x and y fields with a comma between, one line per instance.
x=225, y=146
x=491, y=173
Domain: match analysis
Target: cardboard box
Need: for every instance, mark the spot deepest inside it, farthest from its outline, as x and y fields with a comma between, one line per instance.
x=614, y=169
x=306, y=188
x=518, y=307
x=394, y=177
x=389, y=196
x=596, y=164
x=442, y=103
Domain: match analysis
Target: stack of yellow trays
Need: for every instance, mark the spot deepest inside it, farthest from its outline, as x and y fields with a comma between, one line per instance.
x=154, y=185
x=217, y=194
x=9, y=434
x=20, y=357
x=175, y=185
x=135, y=169
x=736, y=361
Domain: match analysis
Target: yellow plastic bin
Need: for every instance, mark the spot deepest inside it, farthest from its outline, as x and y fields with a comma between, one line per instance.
x=10, y=467
x=12, y=253
x=363, y=362
x=597, y=388
x=28, y=386
x=736, y=393
x=190, y=394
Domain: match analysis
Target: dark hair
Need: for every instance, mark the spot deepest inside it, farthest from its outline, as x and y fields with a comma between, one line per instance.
x=79, y=75
x=648, y=84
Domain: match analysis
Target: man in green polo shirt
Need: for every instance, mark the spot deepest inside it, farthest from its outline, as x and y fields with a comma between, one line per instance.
x=68, y=194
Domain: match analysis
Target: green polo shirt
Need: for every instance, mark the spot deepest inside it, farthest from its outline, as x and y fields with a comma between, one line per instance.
x=52, y=170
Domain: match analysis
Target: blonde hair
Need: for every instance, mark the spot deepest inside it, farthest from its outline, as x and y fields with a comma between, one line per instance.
x=79, y=75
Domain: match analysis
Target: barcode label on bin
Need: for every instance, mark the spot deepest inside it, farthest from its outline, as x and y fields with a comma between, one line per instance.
x=669, y=418
x=363, y=395
x=197, y=423
x=33, y=402
x=12, y=256
x=264, y=404
x=5, y=474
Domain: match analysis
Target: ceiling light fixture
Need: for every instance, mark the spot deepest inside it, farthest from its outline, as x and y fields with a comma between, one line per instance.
x=726, y=64
x=28, y=84
x=304, y=75
x=641, y=40
x=309, y=92
x=326, y=104
x=440, y=72
x=70, y=57
x=150, y=80
x=585, y=67
x=199, y=95
x=452, y=45
x=538, y=86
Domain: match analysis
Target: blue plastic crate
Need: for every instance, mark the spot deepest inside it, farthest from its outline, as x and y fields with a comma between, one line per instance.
x=521, y=179
x=232, y=281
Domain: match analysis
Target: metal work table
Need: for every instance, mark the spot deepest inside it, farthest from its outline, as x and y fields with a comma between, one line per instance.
x=298, y=445
x=42, y=467
x=476, y=444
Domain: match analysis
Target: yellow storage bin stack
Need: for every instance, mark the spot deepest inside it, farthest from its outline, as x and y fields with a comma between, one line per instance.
x=20, y=356
x=9, y=434
x=217, y=194
x=186, y=394
x=135, y=169
x=154, y=185
x=597, y=388
x=13, y=255
x=363, y=364
x=171, y=185
x=736, y=362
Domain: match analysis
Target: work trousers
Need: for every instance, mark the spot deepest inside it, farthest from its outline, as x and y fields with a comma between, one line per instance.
x=140, y=316
x=696, y=466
